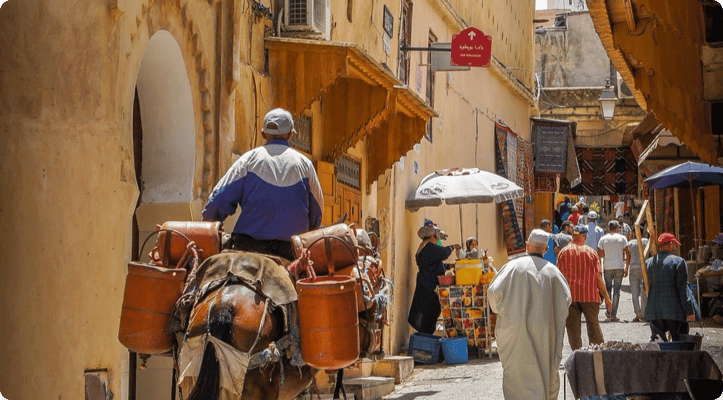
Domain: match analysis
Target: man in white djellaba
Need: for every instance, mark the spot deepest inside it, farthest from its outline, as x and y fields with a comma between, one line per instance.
x=531, y=298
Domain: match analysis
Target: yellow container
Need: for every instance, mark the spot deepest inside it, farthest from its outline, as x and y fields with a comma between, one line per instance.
x=468, y=262
x=468, y=275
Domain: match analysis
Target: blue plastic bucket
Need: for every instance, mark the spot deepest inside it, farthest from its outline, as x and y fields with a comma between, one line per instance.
x=454, y=350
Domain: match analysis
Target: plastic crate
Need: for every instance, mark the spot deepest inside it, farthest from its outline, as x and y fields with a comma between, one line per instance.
x=455, y=350
x=425, y=348
x=677, y=346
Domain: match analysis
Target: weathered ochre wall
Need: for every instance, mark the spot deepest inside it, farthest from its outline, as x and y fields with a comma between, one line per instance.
x=69, y=190
x=69, y=193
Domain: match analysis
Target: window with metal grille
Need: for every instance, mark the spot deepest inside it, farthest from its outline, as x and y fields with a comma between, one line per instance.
x=302, y=139
x=298, y=13
x=348, y=172
x=405, y=39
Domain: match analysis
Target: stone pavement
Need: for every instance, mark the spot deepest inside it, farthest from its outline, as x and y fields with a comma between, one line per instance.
x=481, y=378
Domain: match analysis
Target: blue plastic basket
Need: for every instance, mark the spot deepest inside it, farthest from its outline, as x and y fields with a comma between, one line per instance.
x=455, y=350
x=677, y=346
x=425, y=348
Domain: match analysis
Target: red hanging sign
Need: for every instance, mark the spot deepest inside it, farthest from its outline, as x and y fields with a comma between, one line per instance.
x=471, y=48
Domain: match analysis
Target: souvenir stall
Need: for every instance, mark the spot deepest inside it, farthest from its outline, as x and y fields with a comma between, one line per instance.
x=705, y=260
x=462, y=294
x=465, y=310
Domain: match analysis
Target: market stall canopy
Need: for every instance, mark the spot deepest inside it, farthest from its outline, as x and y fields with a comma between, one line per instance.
x=686, y=175
x=360, y=98
x=462, y=186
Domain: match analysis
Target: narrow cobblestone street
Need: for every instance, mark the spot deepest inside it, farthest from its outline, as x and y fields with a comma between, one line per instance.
x=481, y=378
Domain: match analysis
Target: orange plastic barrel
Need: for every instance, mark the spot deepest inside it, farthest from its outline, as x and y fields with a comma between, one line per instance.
x=150, y=295
x=206, y=236
x=328, y=321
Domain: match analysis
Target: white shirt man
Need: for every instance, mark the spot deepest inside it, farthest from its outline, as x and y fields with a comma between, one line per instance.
x=619, y=209
x=532, y=299
x=613, y=251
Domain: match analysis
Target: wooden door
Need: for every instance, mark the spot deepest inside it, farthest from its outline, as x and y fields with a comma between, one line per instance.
x=350, y=200
x=327, y=180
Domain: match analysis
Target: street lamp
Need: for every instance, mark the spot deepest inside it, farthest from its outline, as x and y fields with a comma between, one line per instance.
x=608, y=100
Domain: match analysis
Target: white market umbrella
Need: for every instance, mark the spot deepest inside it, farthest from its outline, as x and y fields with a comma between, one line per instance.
x=462, y=186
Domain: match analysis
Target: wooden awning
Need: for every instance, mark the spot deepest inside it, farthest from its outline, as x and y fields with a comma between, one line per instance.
x=655, y=46
x=360, y=98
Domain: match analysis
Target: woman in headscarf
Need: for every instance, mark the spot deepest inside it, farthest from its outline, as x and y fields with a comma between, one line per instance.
x=430, y=260
x=470, y=249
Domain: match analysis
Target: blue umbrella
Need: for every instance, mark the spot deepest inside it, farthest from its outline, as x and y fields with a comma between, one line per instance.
x=686, y=175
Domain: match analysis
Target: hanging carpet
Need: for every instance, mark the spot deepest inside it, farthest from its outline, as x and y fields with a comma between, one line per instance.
x=604, y=171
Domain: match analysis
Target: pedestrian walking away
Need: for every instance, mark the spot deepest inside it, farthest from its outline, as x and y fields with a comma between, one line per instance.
x=580, y=265
x=594, y=232
x=549, y=255
x=531, y=298
x=637, y=286
x=574, y=215
x=277, y=188
x=615, y=256
x=670, y=304
x=563, y=238
x=565, y=209
x=583, y=220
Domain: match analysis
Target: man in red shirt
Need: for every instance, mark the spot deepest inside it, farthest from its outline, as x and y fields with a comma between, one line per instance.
x=581, y=266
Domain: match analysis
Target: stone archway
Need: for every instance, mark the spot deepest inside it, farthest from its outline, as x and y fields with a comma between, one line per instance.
x=167, y=121
x=165, y=156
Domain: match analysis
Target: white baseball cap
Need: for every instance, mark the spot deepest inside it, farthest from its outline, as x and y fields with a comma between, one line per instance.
x=278, y=122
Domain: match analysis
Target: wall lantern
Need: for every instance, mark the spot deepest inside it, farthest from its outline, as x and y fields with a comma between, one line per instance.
x=608, y=100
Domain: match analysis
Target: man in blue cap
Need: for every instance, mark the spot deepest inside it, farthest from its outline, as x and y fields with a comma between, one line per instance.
x=277, y=188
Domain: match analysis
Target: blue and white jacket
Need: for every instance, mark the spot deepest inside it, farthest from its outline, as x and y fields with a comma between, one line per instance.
x=278, y=191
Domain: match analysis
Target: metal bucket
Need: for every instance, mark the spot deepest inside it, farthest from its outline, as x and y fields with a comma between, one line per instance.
x=150, y=294
x=328, y=321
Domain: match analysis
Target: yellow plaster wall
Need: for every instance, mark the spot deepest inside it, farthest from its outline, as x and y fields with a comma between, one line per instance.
x=509, y=22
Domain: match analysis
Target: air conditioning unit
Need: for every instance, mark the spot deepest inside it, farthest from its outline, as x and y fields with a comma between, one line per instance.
x=624, y=91
x=310, y=16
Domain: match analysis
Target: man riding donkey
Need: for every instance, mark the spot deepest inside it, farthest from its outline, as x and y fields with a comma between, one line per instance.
x=277, y=188
x=241, y=340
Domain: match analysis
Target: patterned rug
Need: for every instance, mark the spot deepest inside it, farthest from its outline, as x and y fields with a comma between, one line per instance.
x=604, y=171
x=511, y=219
